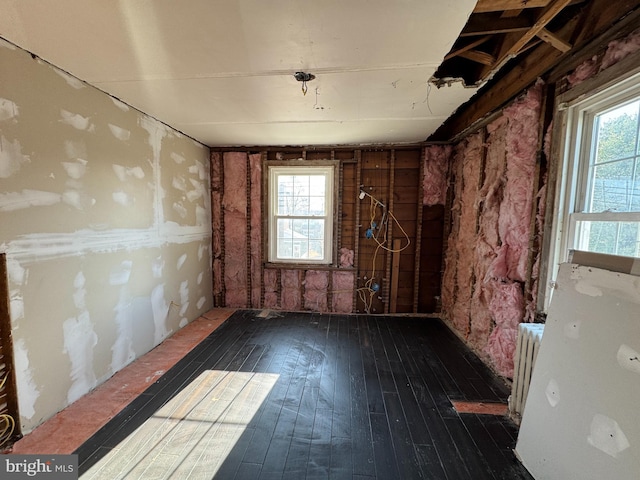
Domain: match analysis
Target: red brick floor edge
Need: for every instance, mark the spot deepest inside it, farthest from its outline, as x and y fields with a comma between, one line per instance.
x=70, y=428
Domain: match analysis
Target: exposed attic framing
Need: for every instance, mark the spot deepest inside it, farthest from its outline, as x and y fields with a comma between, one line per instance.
x=500, y=30
x=540, y=33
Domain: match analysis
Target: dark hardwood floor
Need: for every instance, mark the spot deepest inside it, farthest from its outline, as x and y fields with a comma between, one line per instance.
x=357, y=397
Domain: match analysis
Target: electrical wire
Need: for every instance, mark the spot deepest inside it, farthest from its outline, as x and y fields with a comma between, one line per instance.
x=367, y=292
x=7, y=422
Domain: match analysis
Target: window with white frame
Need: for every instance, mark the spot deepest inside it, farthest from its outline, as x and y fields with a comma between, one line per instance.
x=598, y=199
x=301, y=213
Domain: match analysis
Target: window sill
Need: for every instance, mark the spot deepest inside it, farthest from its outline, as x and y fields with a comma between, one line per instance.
x=306, y=266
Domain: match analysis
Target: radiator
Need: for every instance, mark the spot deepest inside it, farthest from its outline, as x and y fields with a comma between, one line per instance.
x=528, y=343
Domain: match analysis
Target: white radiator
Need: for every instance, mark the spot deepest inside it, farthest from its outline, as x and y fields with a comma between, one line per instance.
x=528, y=343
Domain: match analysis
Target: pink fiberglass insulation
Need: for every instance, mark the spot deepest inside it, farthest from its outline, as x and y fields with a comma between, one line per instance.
x=235, y=260
x=316, y=284
x=448, y=289
x=586, y=69
x=316, y=280
x=501, y=347
x=466, y=238
x=346, y=257
x=507, y=309
x=515, y=209
x=270, y=289
x=315, y=300
x=481, y=318
x=507, y=304
x=216, y=214
x=546, y=145
x=619, y=49
x=234, y=202
x=530, y=311
x=255, y=165
x=342, y=301
x=490, y=194
x=436, y=161
x=291, y=290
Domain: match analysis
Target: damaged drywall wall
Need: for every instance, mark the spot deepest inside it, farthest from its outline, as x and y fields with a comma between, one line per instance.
x=581, y=417
x=105, y=218
x=487, y=259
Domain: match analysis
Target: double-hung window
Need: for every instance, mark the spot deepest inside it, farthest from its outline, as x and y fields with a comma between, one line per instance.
x=599, y=195
x=301, y=213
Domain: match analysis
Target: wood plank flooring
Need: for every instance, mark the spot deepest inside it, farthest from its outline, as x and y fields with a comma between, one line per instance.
x=303, y=395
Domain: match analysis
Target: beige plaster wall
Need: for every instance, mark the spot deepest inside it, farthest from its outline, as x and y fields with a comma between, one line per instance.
x=105, y=221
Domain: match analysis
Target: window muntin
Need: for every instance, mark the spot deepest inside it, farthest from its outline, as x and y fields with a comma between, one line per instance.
x=301, y=214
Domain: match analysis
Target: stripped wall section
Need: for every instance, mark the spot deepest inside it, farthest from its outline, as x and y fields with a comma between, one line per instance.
x=494, y=174
x=234, y=206
x=105, y=217
x=243, y=277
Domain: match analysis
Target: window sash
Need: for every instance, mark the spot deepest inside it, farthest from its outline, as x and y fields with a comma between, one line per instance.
x=582, y=141
x=323, y=241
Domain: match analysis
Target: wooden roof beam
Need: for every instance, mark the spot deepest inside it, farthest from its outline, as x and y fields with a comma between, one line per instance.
x=491, y=24
x=550, y=11
x=478, y=57
x=554, y=40
x=484, y=6
x=470, y=46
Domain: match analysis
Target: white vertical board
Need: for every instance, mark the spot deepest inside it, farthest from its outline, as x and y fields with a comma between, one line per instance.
x=582, y=417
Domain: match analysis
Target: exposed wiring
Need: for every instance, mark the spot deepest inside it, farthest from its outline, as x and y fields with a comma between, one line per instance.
x=378, y=231
x=7, y=422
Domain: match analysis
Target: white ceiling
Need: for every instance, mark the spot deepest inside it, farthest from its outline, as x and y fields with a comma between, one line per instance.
x=223, y=71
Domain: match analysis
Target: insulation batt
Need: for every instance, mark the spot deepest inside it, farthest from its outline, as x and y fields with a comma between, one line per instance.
x=501, y=348
x=255, y=163
x=507, y=309
x=343, y=283
x=216, y=206
x=270, y=289
x=346, y=257
x=436, y=160
x=234, y=202
x=616, y=51
x=451, y=254
x=470, y=155
x=619, y=49
x=515, y=210
x=291, y=290
x=316, y=284
x=585, y=70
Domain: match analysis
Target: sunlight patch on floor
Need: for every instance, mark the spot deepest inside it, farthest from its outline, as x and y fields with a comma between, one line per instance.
x=192, y=434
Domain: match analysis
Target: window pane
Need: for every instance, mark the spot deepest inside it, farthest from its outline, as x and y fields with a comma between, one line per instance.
x=316, y=249
x=301, y=205
x=316, y=206
x=285, y=248
x=301, y=228
x=316, y=229
x=617, y=133
x=635, y=191
x=614, y=238
x=301, y=185
x=285, y=195
x=317, y=185
x=611, y=187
